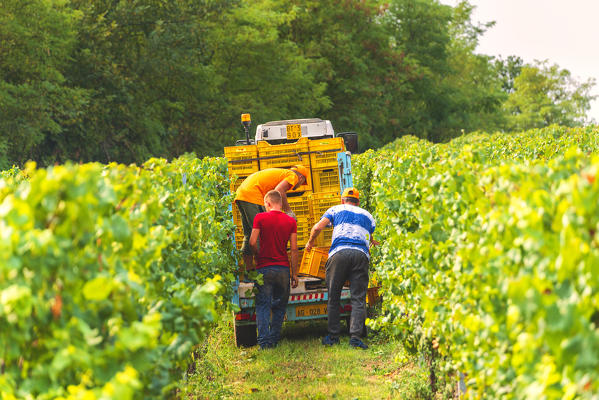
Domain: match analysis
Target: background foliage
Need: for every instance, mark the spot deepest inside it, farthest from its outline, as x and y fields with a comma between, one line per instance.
x=489, y=258
x=123, y=81
x=110, y=275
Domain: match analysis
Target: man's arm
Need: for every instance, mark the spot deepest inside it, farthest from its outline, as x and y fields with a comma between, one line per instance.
x=254, y=240
x=316, y=229
x=372, y=241
x=282, y=188
x=294, y=260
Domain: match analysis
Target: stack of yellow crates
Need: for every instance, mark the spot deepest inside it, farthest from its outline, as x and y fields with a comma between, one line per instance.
x=286, y=156
x=309, y=201
x=325, y=194
x=242, y=161
x=323, y=159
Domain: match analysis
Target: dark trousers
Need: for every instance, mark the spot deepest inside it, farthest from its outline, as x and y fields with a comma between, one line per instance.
x=272, y=297
x=248, y=212
x=352, y=265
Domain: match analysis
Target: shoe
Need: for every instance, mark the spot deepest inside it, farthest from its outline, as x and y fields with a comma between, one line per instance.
x=357, y=343
x=328, y=340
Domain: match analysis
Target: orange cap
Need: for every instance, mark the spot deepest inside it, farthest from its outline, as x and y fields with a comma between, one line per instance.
x=351, y=192
x=302, y=170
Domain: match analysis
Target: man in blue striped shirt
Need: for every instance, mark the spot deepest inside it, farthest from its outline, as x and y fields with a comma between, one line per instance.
x=349, y=258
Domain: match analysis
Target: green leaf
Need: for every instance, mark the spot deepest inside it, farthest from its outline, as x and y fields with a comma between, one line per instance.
x=98, y=288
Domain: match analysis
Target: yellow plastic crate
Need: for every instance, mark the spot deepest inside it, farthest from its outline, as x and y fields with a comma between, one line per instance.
x=236, y=181
x=372, y=295
x=304, y=226
x=320, y=202
x=238, y=238
x=323, y=152
x=283, y=155
x=313, y=262
x=325, y=238
x=300, y=205
x=325, y=180
x=237, y=217
x=242, y=160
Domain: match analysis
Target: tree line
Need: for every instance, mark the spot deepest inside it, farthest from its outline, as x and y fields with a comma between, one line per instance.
x=124, y=80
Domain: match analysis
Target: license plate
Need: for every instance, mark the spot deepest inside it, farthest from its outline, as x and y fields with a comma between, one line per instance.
x=311, y=310
x=294, y=131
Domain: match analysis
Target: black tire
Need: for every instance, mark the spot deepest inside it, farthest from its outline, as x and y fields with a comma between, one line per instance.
x=245, y=335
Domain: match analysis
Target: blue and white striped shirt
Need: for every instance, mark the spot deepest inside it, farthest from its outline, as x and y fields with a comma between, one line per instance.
x=352, y=228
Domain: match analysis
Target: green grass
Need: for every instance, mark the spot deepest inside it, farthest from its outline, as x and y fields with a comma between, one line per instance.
x=302, y=368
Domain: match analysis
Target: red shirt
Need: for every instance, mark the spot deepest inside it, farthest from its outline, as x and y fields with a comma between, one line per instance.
x=275, y=229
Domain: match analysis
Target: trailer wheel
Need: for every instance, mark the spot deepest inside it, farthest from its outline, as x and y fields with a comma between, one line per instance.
x=245, y=335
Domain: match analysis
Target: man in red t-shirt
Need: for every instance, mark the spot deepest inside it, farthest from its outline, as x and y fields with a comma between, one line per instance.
x=275, y=229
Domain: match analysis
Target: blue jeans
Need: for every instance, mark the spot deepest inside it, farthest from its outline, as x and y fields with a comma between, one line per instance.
x=272, y=295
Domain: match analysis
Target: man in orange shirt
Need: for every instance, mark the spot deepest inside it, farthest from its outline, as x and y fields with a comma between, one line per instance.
x=250, y=197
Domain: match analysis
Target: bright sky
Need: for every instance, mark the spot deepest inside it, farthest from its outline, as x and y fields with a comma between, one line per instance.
x=561, y=31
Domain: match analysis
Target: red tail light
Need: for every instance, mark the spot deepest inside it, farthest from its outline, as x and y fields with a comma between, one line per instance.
x=245, y=317
x=242, y=316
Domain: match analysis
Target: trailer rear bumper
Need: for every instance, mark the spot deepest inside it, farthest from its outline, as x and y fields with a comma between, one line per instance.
x=294, y=312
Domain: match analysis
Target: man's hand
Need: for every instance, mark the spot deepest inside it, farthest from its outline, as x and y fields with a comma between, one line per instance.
x=315, y=231
x=308, y=247
x=294, y=281
x=374, y=242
